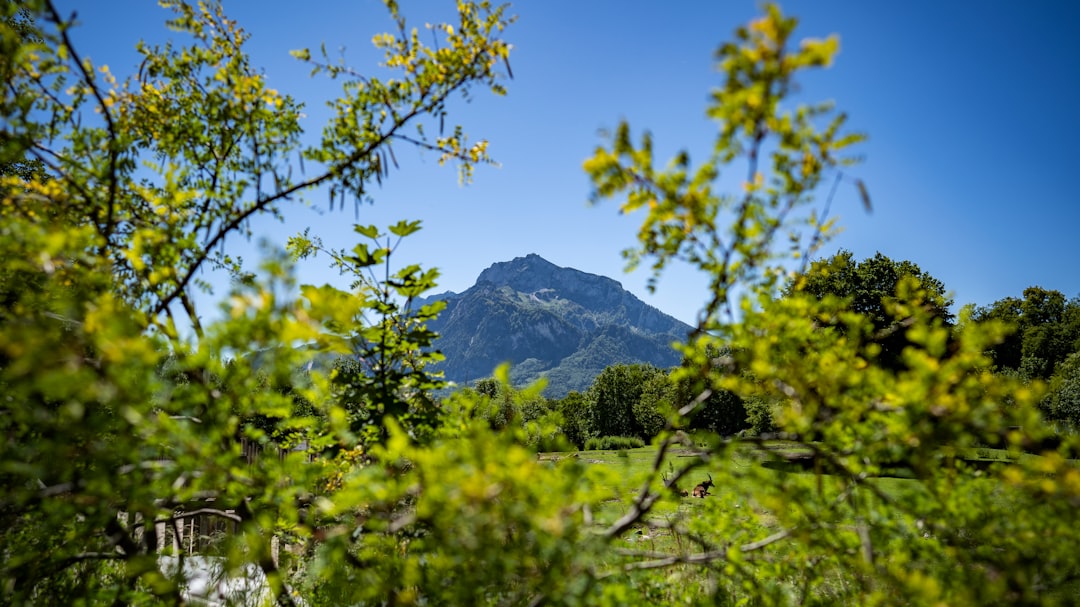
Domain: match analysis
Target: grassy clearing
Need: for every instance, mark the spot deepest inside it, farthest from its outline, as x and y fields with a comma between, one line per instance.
x=734, y=514
x=740, y=477
x=633, y=467
x=746, y=469
x=763, y=491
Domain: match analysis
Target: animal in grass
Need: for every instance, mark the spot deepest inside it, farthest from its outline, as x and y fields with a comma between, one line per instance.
x=703, y=488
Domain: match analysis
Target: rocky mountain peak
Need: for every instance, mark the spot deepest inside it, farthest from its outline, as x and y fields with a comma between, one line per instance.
x=547, y=320
x=534, y=274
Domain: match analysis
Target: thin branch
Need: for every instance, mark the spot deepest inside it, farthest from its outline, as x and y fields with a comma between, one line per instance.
x=193, y=513
x=189, y=308
x=119, y=537
x=816, y=240
x=114, y=153
x=428, y=146
x=688, y=559
x=55, y=490
x=772, y=539
x=262, y=203
x=662, y=559
x=90, y=556
x=401, y=522
x=40, y=151
x=198, y=496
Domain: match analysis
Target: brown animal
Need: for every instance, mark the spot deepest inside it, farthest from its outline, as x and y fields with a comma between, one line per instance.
x=703, y=489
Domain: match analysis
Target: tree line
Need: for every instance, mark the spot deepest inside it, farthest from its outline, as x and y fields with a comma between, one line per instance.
x=1041, y=344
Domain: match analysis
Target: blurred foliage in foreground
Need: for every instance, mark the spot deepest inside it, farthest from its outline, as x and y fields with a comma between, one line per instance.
x=124, y=417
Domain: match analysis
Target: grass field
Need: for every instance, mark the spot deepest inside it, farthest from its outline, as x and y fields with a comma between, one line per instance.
x=758, y=489
x=745, y=469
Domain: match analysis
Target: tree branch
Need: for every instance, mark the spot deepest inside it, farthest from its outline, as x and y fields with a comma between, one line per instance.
x=114, y=154
x=262, y=204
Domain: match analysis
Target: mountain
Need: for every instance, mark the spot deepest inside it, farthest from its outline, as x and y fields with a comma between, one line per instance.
x=545, y=320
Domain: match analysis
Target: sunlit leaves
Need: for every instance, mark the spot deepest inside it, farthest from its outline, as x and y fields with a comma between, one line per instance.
x=854, y=413
x=784, y=152
x=122, y=416
x=935, y=481
x=372, y=112
x=483, y=509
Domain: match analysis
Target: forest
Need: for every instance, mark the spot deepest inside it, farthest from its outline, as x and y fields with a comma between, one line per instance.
x=143, y=437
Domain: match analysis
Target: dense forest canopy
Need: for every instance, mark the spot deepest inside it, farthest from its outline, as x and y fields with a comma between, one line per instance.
x=131, y=444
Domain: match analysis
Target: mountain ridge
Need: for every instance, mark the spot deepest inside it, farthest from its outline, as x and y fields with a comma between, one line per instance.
x=549, y=321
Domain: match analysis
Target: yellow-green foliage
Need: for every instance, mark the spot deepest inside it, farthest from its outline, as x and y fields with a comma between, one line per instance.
x=119, y=426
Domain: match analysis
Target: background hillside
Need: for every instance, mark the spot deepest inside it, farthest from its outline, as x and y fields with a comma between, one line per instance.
x=549, y=321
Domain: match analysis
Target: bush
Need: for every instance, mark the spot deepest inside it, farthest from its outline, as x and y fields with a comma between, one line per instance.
x=611, y=443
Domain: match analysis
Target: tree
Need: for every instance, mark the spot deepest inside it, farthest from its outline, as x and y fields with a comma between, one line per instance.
x=721, y=411
x=1063, y=399
x=613, y=396
x=1009, y=353
x=497, y=403
x=117, y=194
x=386, y=372
x=1045, y=329
x=836, y=536
x=1043, y=338
x=760, y=412
x=19, y=30
x=574, y=411
x=869, y=287
x=655, y=404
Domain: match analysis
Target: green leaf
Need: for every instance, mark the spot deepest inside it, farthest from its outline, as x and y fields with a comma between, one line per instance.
x=405, y=228
x=368, y=231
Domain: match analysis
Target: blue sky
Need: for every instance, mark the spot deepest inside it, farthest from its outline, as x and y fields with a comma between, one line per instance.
x=971, y=111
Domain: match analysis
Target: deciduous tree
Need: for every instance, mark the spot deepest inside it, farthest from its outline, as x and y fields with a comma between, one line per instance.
x=613, y=397
x=117, y=193
x=836, y=536
x=1045, y=330
x=869, y=287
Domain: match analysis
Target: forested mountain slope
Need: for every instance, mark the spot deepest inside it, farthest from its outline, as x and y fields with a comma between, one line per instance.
x=551, y=321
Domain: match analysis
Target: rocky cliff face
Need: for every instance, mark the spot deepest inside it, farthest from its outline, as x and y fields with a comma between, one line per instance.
x=550, y=321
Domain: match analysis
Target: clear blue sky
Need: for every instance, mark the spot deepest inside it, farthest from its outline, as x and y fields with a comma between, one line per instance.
x=972, y=109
